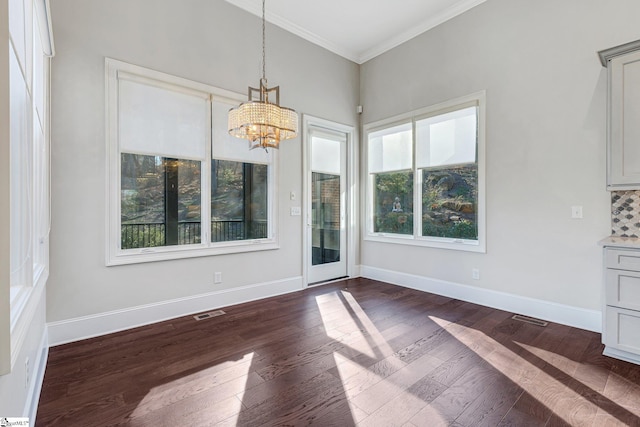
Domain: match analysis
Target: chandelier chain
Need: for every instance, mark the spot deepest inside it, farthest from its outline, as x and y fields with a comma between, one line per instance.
x=261, y=120
x=264, y=60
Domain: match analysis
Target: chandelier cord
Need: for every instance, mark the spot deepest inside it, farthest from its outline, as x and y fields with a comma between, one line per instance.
x=264, y=60
x=260, y=120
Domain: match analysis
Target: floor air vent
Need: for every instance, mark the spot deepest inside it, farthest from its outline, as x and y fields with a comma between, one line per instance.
x=209, y=315
x=530, y=320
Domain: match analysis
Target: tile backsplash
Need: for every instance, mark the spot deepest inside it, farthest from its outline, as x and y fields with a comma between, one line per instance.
x=625, y=213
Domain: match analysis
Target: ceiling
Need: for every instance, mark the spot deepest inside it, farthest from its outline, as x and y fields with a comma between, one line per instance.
x=358, y=29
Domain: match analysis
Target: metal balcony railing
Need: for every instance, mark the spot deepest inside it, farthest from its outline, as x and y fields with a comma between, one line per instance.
x=146, y=235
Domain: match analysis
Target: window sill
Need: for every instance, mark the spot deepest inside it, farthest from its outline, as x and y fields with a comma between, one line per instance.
x=433, y=242
x=136, y=256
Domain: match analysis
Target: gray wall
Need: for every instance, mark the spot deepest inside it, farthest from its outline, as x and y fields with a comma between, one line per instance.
x=207, y=41
x=545, y=138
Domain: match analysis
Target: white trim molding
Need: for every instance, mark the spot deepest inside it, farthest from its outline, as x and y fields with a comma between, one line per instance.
x=590, y=320
x=80, y=328
x=621, y=354
x=210, y=98
x=35, y=387
x=24, y=315
x=43, y=14
x=408, y=121
x=362, y=55
x=309, y=124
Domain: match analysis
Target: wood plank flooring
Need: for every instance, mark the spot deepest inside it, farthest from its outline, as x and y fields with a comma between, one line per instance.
x=356, y=352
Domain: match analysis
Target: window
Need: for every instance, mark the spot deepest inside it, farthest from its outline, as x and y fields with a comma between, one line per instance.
x=391, y=170
x=239, y=202
x=180, y=186
x=160, y=201
x=29, y=47
x=426, y=176
x=29, y=169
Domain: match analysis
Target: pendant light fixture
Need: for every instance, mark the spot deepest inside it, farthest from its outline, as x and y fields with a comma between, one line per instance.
x=261, y=119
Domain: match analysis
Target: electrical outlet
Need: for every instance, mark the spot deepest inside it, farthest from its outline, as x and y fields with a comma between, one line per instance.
x=475, y=274
x=576, y=212
x=217, y=277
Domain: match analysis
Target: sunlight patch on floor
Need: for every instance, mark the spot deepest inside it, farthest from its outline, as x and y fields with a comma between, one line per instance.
x=375, y=338
x=549, y=391
x=233, y=374
x=552, y=358
x=348, y=368
x=335, y=322
x=382, y=391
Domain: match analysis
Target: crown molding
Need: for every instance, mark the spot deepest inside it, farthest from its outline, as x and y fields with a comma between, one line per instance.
x=607, y=54
x=358, y=57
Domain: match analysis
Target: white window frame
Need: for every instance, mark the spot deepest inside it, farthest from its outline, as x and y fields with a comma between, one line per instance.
x=478, y=99
x=117, y=256
x=31, y=41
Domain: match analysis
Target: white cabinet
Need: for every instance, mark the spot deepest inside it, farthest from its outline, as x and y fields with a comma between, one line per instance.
x=621, y=316
x=623, y=111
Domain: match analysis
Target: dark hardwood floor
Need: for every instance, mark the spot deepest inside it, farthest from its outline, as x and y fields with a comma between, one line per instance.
x=353, y=352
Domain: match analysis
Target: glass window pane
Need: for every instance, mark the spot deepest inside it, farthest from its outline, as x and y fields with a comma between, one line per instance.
x=325, y=207
x=189, y=216
x=447, y=139
x=390, y=149
x=239, y=201
x=159, y=201
x=450, y=201
x=393, y=203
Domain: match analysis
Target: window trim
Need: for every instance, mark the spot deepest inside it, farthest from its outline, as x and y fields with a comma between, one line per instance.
x=114, y=255
x=478, y=99
x=33, y=51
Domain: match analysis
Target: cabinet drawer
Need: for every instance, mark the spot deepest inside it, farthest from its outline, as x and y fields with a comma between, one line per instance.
x=622, y=259
x=622, y=329
x=623, y=289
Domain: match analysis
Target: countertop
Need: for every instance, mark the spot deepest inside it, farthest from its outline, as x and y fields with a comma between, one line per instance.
x=621, y=242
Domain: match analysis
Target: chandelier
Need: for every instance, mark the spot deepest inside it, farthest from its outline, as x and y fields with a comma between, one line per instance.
x=261, y=119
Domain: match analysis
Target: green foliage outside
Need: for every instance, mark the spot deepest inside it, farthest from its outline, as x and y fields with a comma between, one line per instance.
x=463, y=229
x=397, y=223
x=143, y=236
x=142, y=201
x=236, y=212
x=226, y=190
x=449, y=202
x=393, y=203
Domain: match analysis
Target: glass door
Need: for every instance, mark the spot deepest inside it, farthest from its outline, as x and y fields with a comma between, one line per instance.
x=326, y=222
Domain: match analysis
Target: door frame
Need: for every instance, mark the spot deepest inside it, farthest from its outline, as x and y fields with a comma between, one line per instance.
x=351, y=191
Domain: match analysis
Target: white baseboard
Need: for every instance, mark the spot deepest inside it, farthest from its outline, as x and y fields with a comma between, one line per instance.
x=590, y=320
x=622, y=355
x=355, y=271
x=39, y=368
x=79, y=328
